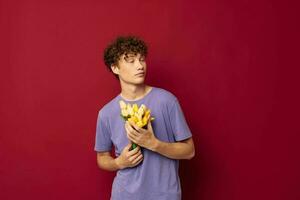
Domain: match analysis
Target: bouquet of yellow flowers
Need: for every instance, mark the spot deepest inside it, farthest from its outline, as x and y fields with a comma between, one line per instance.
x=138, y=115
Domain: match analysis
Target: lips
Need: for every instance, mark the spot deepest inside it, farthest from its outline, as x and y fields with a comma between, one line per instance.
x=139, y=74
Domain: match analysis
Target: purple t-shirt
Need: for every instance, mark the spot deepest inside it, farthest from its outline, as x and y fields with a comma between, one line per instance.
x=156, y=177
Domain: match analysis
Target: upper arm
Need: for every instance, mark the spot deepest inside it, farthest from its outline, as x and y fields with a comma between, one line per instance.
x=104, y=153
x=103, y=142
x=178, y=123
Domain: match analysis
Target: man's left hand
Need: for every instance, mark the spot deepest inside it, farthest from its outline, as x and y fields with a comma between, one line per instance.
x=140, y=136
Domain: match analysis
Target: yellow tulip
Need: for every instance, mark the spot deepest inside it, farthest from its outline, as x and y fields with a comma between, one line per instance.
x=137, y=115
x=130, y=110
x=122, y=105
x=139, y=124
x=124, y=112
x=135, y=108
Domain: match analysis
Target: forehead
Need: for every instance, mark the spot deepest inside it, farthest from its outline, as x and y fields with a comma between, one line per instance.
x=131, y=55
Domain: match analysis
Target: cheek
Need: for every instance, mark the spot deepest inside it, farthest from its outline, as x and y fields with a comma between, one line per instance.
x=124, y=73
x=129, y=72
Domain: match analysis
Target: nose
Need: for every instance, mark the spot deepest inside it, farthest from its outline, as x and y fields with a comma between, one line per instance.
x=139, y=65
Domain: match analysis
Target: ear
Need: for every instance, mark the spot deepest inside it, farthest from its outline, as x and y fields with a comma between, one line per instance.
x=115, y=69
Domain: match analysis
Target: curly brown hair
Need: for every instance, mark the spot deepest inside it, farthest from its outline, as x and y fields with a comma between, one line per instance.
x=123, y=45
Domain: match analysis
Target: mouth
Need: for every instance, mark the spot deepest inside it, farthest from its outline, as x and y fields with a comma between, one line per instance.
x=140, y=74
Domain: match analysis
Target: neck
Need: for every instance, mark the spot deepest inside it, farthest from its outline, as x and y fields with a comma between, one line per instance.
x=134, y=92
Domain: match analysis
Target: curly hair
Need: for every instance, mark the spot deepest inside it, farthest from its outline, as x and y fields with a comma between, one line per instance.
x=123, y=45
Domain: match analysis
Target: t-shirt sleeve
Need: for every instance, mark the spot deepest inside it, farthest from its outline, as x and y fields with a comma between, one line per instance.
x=179, y=125
x=102, y=138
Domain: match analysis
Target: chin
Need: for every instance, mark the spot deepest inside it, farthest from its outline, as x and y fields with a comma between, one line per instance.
x=139, y=82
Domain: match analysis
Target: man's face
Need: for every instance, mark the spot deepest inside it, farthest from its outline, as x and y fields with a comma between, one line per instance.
x=131, y=68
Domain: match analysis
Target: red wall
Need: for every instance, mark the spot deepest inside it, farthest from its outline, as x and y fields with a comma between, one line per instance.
x=234, y=66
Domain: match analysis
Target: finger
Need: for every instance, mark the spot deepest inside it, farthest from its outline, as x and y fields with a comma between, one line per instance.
x=132, y=138
x=134, y=135
x=141, y=160
x=133, y=157
x=137, y=128
x=149, y=126
x=148, y=119
x=132, y=131
x=129, y=132
x=127, y=147
x=131, y=128
x=138, y=163
x=134, y=151
x=138, y=159
x=126, y=127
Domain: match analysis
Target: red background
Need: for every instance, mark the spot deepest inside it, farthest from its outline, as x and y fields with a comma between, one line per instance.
x=234, y=66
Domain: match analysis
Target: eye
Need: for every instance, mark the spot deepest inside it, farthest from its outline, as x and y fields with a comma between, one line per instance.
x=129, y=60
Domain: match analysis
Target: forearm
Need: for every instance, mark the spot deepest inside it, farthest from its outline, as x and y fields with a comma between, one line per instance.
x=175, y=150
x=108, y=163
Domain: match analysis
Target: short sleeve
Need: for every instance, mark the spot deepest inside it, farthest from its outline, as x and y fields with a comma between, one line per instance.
x=102, y=139
x=178, y=122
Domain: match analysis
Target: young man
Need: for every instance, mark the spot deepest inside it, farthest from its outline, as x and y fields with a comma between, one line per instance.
x=149, y=171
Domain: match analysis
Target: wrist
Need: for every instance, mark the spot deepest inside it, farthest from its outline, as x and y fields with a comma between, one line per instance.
x=155, y=145
x=118, y=163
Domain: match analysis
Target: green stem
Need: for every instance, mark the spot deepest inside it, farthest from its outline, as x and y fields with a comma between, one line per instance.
x=133, y=146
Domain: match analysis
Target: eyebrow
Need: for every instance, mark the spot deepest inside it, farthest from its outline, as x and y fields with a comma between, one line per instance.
x=130, y=55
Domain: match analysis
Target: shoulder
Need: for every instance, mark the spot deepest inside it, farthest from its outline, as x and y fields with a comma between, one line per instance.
x=164, y=99
x=164, y=95
x=109, y=108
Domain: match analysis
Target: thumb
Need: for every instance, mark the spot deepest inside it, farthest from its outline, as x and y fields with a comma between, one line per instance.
x=128, y=145
x=149, y=126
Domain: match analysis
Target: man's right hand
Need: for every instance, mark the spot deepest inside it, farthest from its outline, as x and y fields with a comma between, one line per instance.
x=129, y=158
